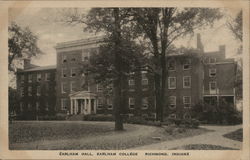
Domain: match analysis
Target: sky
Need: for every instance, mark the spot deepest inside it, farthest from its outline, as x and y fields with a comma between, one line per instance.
x=44, y=23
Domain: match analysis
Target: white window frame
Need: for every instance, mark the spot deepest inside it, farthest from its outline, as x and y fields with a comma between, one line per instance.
x=71, y=72
x=64, y=70
x=30, y=78
x=46, y=105
x=22, y=91
x=62, y=87
x=212, y=71
x=100, y=103
x=22, y=78
x=212, y=62
x=173, y=115
x=189, y=63
x=71, y=86
x=29, y=90
x=174, y=65
x=47, y=76
x=174, y=103
x=29, y=106
x=169, y=79
x=146, y=104
x=130, y=99
x=210, y=84
x=187, y=103
x=144, y=81
x=38, y=90
x=37, y=106
x=37, y=77
x=189, y=77
x=64, y=58
x=131, y=82
x=84, y=57
x=63, y=104
x=109, y=103
x=21, y=107
x=99, y=88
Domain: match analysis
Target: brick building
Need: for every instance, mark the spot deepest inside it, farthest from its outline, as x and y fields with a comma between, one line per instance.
x=193, y=77
x=36, y=88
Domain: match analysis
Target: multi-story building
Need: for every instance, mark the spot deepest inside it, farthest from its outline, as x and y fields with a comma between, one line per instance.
x=36, y=88
x=193, y=77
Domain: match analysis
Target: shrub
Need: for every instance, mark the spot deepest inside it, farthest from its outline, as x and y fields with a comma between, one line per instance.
x=136, y=120
x=190, y=123
x=98, y=117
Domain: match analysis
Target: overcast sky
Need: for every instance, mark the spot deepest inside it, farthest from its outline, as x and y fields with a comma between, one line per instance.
x=42, y=22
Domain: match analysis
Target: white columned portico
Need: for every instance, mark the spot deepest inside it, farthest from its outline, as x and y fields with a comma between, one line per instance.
x=83, y=102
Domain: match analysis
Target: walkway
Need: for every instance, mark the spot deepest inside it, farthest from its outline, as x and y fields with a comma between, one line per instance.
x=213, y=138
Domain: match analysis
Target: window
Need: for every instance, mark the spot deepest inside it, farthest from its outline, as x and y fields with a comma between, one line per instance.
x=22, y=91
x=30, y=78
x=39, y=77
x=110, y=104
x=144, y=80
x=29, y=91
x=131, y=82
x=64, y=58
x=171, y=65
x=64, y=87
x=212, y=86
x=37, y=106
x=85, y=56
x=131, y=102
x=21, y=106
x=99, y=88
x=73, y=86
x=73, y=72
x=38, y=91
x=46, y=106
x=29, y=106
x=64, y=72
x=187, y=101
x=186, y=116
x=47, y=88
x=172, y=116
x=100, y=103
x=212, y=60
x=22, y=78
x=172, y=102
x=171, y=82
x=186, y=82
x=47, y=76
x=73, y=59
x=212, y=72
x=187, y=64
x=144, y=103
x=63, y=104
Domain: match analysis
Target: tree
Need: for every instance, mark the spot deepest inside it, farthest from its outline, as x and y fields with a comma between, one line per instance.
x=116, y=56
x=22, y=44
x=235, y=26
x=162, y=26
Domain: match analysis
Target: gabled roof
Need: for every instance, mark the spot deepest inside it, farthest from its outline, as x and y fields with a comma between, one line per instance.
x=82, y=94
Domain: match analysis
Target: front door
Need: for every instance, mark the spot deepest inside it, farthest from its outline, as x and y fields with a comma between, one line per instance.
x=79, y=106
x=92, y=104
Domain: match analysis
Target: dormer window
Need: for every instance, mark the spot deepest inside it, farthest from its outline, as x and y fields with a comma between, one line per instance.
x=39, y=77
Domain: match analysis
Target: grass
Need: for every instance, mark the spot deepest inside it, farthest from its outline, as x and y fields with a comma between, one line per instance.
x=88, y=135
x=236, y=135
x=203, y=147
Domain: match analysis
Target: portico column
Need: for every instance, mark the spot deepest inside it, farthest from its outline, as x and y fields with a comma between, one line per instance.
x=81, y=105
x=94, y=105
x=75, y=106
x=71, y=106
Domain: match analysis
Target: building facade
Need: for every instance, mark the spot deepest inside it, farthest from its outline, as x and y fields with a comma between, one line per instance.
x=36, y=89
x=193, y=77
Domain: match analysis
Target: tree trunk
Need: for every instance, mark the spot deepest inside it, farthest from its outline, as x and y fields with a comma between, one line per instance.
x=118, y=81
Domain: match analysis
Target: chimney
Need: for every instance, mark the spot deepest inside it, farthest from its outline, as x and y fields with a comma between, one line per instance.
x=26, y=63
x=199, y=43
x=222, y=50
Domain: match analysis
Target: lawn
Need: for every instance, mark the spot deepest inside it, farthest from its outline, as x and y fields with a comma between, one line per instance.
x=236, y=135
x=202, y=147
x=68, y=135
